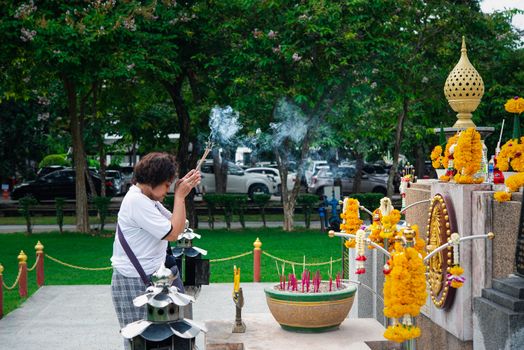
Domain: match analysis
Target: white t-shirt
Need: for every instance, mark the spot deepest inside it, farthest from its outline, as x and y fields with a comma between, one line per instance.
x=144, y=223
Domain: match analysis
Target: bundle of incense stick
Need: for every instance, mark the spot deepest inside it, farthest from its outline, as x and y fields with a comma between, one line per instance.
x=209, y=146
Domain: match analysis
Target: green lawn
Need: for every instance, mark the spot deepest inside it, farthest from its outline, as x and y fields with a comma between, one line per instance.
x=93, y=251
x=70, y=220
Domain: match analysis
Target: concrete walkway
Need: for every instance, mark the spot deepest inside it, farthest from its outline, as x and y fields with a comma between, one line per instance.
x=83, y=318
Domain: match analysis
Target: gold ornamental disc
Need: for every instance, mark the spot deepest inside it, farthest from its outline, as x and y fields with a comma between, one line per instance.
x=441, y=225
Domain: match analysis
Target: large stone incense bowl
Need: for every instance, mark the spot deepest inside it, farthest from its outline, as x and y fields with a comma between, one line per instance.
x=310, y=312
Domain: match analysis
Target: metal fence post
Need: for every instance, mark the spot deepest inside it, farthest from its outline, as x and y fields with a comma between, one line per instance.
x=22, y=283
x=257, y=253
x=39, y=247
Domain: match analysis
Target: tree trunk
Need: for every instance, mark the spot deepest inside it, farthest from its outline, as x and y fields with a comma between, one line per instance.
x=358, y=174
x=92, y=187
x=190, y=199
x=420, y=163
x=220, y=169
x=101, y=148
x=132, y=161
x=398, y=141
x=289, y=196
x=82, y=217
x=289, y=211
x=185, y=160
x=102, y=157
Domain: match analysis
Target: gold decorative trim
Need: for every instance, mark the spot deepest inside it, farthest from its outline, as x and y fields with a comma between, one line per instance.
x=440, y=225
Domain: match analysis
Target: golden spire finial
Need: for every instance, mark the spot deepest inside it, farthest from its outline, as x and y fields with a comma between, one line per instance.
x=464, y=89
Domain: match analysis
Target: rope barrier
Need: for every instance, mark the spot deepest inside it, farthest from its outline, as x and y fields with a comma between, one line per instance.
x=34, y=266
x=16, y=281
x=79, y=267
x=300, y=263
x=231, y=258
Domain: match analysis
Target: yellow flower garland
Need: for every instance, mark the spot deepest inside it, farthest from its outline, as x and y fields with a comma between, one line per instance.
x=502, y=196
x=452, y=140
x=350, y=216
x=375, y=228
x=351, y=221
x=389, y=223
x=515, y=105
x=404, y=292
x=514, y=182
x=400, y=333
x=456, y=271
x=467, y=156
x=511, y=153
x=436, y=157
x=505, y=154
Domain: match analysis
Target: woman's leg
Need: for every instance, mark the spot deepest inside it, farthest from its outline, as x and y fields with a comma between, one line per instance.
x=124, y=290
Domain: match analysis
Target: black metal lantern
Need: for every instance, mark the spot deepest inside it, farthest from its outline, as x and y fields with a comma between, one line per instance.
x=165, y=327
x=193, y=269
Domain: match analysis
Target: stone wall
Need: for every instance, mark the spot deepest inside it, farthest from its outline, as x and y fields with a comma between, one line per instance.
x=505, y=220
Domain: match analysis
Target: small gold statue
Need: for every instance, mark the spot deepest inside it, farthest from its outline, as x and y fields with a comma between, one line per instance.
x=238, y=299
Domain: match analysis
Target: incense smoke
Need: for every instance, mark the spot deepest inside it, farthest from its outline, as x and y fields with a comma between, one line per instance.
x=224, y=124
x=292, y=123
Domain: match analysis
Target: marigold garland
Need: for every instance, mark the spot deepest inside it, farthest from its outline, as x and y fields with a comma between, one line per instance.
x=350, y=216
x=447, y=155
x=404, y=292
x=400, y=333
x=502, y=196
x=375, y=228
x=456, y=280
x=350, y=243
x=467, y=155
x=515, y=105
x=389, y=224
x=444, y=178
x=511, y=153
x=436, y=157
x=454, y=277
x=514, y=182
x=517, y=163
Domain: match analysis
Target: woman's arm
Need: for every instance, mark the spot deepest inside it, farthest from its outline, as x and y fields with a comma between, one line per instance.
x=182, y=189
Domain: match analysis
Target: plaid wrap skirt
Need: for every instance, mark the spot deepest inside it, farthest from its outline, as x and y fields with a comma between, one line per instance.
x=124, y=290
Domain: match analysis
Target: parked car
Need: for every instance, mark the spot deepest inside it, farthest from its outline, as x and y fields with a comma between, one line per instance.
x=127, y=177
x=346, y=176
x=238, y=181
x=312, y=168
x=117, y=179
x=60, y=183
x=48, y=170
x=275, y=173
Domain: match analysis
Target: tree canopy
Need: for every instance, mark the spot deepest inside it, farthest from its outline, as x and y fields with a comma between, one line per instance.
x=364, y=76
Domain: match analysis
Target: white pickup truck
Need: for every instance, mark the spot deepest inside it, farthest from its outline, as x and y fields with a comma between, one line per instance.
x=238, y=181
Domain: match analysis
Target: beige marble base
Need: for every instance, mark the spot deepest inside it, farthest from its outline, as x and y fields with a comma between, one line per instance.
x=264, y=333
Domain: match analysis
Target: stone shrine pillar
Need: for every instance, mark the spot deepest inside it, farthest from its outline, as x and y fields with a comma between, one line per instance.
x=498, y=318
x=458, y=320
x=488, y=311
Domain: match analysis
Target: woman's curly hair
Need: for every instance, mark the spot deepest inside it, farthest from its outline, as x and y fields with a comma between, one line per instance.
x=155, y=168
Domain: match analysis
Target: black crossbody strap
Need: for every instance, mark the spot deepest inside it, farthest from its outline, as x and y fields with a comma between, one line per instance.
x=132, y=256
